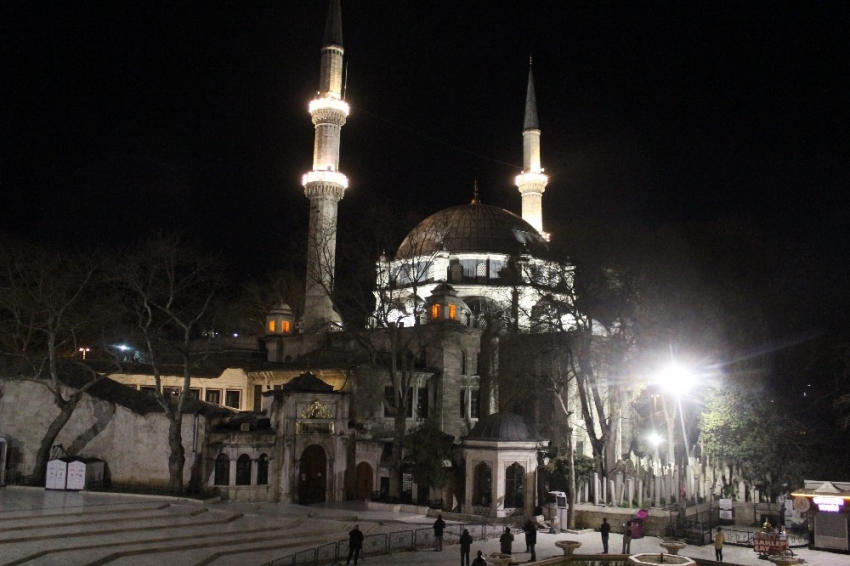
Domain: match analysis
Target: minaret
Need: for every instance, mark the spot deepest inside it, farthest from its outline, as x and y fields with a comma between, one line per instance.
x=531, y=182
x=325, y=185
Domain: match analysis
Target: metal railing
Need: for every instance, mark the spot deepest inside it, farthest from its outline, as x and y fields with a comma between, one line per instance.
x=387, y=543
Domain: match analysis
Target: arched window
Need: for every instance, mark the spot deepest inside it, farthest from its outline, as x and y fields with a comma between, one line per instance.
x=271, y=326
x=481, y=270
x=222, y=470
x=263, y=470
x=452, y=312
x=482, y=493
x=243, y=470
x=435, y=311
x=515, y=486
x=284, y=327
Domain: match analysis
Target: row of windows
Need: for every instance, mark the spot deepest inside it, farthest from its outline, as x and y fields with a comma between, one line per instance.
x=482, y=486
x=232, y=397
x=469, y=270
x=243, y=470
x=470, y=402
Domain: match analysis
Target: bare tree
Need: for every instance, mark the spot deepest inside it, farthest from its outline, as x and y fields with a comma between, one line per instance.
x=385, y=324
x=169, y=290
x=47, y=304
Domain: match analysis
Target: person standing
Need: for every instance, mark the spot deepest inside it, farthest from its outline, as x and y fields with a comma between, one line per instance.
x=719, y=539
x=355, y=544
x=479, y=560
x=627, y=538
x=506, y=541
x=465, y=547
x=605, y=529
x=439, y=525
x=530, y=539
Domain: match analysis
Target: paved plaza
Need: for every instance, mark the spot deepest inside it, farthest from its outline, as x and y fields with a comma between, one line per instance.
x=39, y=527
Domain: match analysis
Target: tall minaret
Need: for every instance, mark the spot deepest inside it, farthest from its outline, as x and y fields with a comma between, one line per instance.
x=531, y=182
x=325, y=185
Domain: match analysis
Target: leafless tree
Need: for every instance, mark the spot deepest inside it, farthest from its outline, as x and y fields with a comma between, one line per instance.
x=47, y=305
x=169, y=290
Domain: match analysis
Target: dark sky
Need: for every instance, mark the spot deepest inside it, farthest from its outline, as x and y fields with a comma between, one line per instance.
x=120, y=118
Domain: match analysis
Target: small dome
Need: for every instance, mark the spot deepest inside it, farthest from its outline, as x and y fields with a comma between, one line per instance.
x=503, y=426
x=472, y=228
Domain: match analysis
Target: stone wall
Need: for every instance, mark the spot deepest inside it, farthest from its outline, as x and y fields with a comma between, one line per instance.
x=134, y=447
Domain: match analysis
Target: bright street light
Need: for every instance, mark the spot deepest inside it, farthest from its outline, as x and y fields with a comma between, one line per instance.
x=655, y=439
x=676, y=378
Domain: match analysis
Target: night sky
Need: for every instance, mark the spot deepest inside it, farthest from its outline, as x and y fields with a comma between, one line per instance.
x=122, y=118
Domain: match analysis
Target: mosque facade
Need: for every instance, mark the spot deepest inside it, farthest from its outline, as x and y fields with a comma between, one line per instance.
x=308, y=421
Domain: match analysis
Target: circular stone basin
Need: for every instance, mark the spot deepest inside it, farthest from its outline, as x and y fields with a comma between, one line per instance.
x=568, y=546
x=500, y=559
x=659, y=558
x=672, y=546
x=783, y=560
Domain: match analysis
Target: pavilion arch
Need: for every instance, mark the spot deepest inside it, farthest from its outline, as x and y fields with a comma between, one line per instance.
x=222, y=470
x=482, y=485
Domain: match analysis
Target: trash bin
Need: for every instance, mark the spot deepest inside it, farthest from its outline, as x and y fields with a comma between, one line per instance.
x=637, y=523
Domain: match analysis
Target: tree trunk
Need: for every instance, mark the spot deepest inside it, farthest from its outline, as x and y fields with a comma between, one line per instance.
x=571, y=481
x=399, y=429
x=177, y=457
x=67, y=408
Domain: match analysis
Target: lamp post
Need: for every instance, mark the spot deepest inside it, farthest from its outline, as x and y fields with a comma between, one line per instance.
x=678, y=380
x=83, y=351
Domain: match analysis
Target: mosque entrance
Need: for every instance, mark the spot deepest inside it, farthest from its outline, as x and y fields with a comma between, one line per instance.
x=312, y=475
x=364, y=481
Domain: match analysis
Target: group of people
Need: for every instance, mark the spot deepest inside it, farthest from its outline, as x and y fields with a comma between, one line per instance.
x=605, y=529
x=505, y=542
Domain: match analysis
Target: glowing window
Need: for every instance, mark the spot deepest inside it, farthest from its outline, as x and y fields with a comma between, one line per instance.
x=284, y=327
x=271, y=327
x=452, y=312
x=435, y=311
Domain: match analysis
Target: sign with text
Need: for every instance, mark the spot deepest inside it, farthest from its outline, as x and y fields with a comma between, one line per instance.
x=769, y=544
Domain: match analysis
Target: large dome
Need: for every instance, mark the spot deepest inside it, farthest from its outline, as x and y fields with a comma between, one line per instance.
x=472, y=228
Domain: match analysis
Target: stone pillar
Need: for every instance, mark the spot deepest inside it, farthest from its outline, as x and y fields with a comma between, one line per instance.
x=596, y=489
x=617, y=492
x=640, y=494
x=612, y=494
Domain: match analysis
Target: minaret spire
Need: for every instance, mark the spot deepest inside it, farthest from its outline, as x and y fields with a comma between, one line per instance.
x=531, y=182
x=324, y=185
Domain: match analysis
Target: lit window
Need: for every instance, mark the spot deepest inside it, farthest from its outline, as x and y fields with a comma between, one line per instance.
x=452, y=312
x=435, y=311
x=271, y=327
x=284, y=327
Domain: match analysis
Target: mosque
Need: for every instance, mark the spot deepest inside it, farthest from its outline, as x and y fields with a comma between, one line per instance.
x=304, y=417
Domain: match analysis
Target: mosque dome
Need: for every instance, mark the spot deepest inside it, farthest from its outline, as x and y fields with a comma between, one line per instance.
x=503, y=426
x=472, y=228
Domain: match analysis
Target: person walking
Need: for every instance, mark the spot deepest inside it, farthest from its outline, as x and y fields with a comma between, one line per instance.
x=479, y=560
x=530, y=539
x=439, y=525
x=506, y=541
x=355, y=544
x=627, y=538
x=605, y=529
x=719, y=539
x=465, y=547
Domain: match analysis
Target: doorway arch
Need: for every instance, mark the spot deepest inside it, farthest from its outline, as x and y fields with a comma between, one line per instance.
x=312, y=477
x=365, y=481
